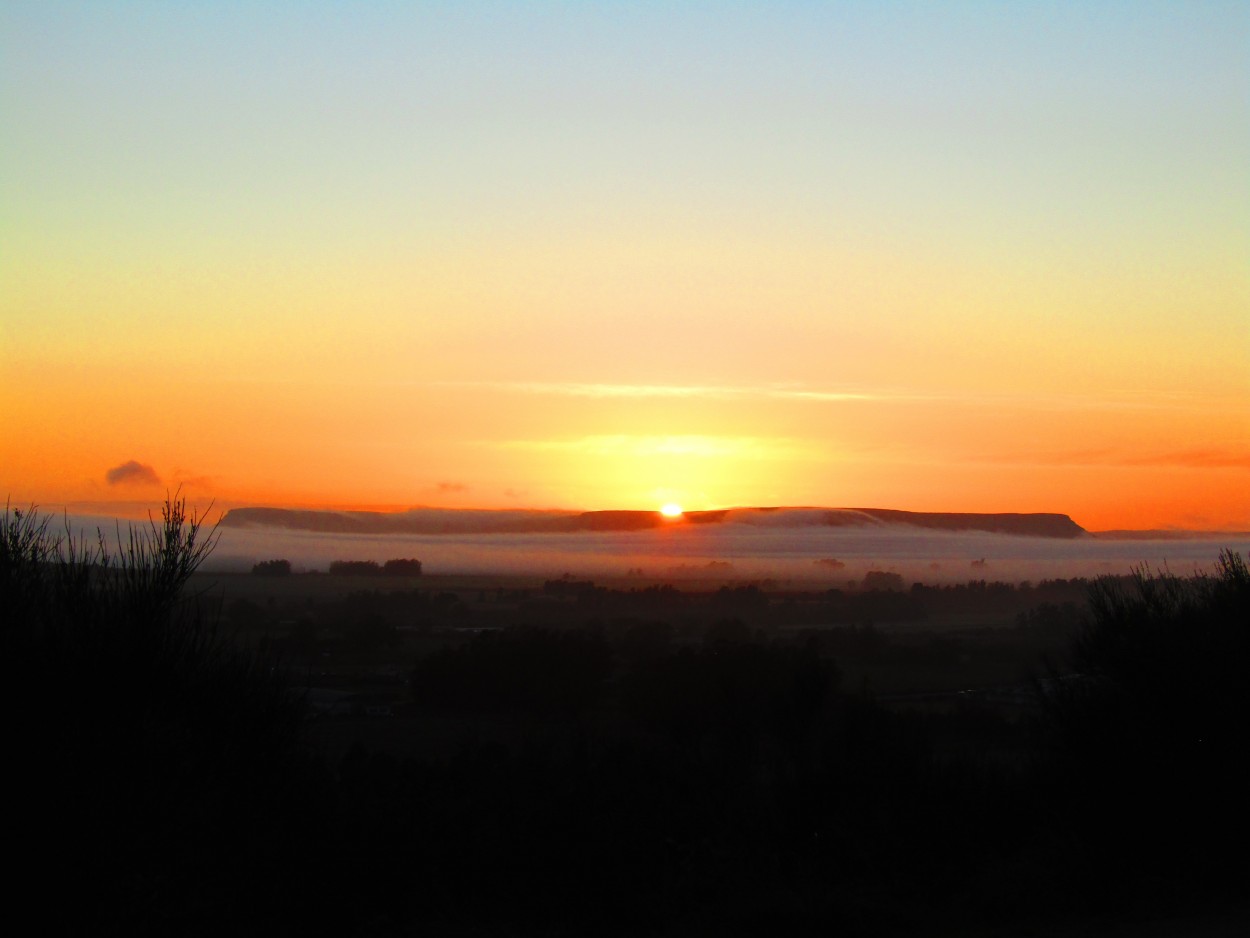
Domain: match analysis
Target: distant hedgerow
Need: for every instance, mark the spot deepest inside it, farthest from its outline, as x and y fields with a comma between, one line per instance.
x=398, y=567
x=402, y=567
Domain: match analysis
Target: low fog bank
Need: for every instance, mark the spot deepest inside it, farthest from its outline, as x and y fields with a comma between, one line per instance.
x=830, y=555
x=460, y=521
x=818, y=553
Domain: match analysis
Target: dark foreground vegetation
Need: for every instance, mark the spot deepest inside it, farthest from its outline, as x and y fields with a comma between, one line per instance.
x=589, y=762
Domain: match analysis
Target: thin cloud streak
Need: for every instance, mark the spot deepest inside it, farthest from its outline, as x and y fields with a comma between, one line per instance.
x=712, y=391
x=1119, y=400
x=650, y=446
x=1182, y=459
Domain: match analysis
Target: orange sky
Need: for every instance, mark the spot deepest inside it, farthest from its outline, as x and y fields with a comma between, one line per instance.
x=485, y=259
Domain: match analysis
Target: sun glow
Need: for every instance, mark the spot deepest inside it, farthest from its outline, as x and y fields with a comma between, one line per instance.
x=671, y=510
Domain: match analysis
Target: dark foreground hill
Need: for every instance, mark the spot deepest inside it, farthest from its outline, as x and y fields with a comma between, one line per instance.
x=615, y=776
x=453, y=521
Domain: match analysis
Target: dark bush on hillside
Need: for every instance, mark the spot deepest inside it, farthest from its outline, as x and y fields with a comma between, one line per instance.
x=1149, y=730
x=402, y=567
x=881, y=580
x=272, y=568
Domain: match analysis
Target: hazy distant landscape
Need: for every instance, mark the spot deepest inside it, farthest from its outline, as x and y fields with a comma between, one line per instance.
x=783, y=544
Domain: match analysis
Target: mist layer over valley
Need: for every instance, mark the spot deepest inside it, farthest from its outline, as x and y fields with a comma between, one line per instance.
x=806, y=544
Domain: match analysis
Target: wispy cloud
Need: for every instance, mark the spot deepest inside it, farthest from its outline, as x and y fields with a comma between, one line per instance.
x=720, y=447
x=1212, y=458
x=706, y=391
x=451, y=487
x=1112, y=399
x=1192, y=459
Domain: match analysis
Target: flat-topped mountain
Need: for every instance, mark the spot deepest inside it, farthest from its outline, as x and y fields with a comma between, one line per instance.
x=1036, y=524
x=478, y=521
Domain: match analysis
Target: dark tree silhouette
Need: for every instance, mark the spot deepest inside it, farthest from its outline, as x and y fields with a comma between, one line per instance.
x=882, y=580
x=402, y=567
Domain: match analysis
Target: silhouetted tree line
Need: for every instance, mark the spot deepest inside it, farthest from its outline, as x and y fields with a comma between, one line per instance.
x=882, y=580
x=272, y=568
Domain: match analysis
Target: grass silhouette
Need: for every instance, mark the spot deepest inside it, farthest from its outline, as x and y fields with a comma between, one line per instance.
x=158, y=761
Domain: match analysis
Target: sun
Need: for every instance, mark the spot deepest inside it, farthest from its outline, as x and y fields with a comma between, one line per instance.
x=671, y=510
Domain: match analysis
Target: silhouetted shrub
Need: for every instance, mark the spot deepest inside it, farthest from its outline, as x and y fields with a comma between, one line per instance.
x=881, y=580
x=272, y=568
x=158, y=763
x=1149, y=728
x=402, y=567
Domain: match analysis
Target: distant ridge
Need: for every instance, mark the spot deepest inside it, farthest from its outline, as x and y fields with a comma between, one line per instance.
x=1039, y=524
x=460, y=521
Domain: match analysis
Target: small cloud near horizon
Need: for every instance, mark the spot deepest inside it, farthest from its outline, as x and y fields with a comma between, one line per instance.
x=449, y=487
x=132, y=472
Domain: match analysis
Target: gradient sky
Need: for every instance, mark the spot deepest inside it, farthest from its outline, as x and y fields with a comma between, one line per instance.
x=962, y=257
